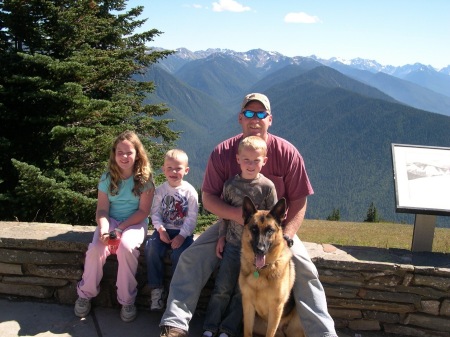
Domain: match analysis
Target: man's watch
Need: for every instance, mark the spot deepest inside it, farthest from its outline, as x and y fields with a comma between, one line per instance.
x=289, y=241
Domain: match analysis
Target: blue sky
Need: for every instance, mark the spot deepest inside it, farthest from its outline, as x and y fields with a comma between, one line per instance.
x=391, y=32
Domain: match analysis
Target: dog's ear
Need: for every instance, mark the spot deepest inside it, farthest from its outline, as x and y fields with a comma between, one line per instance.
x=279, y=210
x=248, y=209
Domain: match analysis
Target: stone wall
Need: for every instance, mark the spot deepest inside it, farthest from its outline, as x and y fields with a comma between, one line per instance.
x=395, y=291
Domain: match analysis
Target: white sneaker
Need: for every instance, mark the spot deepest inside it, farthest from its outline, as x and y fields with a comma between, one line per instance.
x=128, y=313
x=82, y=307
x=157, y=299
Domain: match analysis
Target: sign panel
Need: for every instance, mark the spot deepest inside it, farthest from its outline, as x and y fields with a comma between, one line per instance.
x=422, y=179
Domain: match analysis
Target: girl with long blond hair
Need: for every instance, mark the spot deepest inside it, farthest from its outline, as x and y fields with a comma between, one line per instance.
x=125, y=195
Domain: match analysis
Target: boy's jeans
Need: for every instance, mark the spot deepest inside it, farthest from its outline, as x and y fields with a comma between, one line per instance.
x=198, y=262
x=155, y=251
x=224, y=313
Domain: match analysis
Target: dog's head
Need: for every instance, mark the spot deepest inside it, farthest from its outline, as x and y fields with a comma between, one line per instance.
x=263, y=228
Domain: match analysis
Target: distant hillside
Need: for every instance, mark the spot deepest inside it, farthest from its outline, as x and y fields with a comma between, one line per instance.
x=193, y=112
x=428, y=78
x=344, y=128
x=218, y=75
x=402, y=90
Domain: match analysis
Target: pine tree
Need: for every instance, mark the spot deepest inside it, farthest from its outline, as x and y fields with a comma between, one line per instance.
x=335, y=215
x=68, y=87
x=372, y=214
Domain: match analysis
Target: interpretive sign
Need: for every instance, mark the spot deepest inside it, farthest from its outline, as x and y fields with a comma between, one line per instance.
x=422, y=186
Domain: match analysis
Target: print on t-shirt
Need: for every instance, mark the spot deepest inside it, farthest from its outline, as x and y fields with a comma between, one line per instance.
x=174, y=209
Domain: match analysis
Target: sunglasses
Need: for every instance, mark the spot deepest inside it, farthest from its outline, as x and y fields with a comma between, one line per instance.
x=259, y=114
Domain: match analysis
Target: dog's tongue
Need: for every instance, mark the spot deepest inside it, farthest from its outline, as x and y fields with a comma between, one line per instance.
x=260, y=261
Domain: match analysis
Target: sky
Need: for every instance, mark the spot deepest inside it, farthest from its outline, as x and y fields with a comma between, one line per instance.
x=391, y=32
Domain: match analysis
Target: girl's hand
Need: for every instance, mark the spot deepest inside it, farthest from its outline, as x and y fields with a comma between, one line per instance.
x=104, y=238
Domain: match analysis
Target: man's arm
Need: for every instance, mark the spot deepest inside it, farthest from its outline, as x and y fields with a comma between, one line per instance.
x=217, y=206
x=295, y=216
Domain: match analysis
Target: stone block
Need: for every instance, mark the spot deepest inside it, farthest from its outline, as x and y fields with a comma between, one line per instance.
x=427, y=321
x=385, y=280
x=364, y=324
x=440, y=283
x=383, y=317
x=430, y=307
x=67, y=294
x=38, y=257
x=389, y=296
x=341, y=277
x=407, y=280
x=26, y=290
x=10, y=269
x=340, y=291
x=445, y=308
x=340, y=323
x=371, y=305
x=68, y=272
x=403, y=330
x=425, y=292
x=42, y=281
x=345, y=313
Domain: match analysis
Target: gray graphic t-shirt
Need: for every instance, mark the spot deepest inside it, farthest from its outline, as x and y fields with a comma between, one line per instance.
x=262, y=192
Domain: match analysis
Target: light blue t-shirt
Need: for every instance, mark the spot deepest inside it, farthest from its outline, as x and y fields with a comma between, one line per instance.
x=124, y=203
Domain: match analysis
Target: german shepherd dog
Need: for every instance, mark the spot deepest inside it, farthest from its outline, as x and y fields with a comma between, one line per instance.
x=267, y=274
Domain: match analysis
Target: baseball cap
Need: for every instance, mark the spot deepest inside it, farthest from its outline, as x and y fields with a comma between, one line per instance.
x=256, y=97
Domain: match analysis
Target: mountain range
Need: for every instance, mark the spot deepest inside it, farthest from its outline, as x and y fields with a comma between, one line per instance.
x=342, y=116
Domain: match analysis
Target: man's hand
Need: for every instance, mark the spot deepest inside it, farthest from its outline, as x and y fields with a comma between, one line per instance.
x=217, y=206
x=220, y=246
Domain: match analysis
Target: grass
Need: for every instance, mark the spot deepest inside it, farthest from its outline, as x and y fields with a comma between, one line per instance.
x=379, y=235
x=363, y=234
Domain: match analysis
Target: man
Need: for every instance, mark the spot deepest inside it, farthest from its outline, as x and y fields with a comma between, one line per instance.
x=285, y=167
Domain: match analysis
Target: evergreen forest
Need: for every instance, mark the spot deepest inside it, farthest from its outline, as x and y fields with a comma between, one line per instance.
x=66, y=91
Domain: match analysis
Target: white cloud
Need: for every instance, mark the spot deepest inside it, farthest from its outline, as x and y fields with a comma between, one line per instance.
x=196, y=6
x=229, y=6
x=301, y=17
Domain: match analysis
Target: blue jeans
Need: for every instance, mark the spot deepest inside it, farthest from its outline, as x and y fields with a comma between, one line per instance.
x=224, y=313
x=155, y=251
x=199, y=261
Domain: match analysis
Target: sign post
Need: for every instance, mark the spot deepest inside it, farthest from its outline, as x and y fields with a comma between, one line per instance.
x=423, y=234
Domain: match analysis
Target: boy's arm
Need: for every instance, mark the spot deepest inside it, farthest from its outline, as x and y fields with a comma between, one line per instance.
x=190, y=222
x=223, y=226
